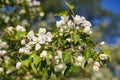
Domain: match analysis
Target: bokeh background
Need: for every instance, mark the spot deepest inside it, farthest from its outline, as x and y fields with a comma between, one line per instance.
x=103, y=14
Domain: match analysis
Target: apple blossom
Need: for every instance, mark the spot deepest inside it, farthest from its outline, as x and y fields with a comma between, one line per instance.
x=20, y=28
x=43, y=54
x=78, y=19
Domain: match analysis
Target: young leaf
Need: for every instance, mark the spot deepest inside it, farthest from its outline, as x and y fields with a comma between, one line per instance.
x=87, y=53
x=19, y=35
x=36, y=59
x=69, y=5
x=66, y=56
x=69, y=69
x=26, y=61
x=75, y=38
x=34, y=67
x=61, y=13
x=84, y=63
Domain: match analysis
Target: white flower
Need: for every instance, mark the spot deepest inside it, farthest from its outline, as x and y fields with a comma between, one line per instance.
x=36, y=3
x=10, y=29
x=23, y=42
x=97, y=63
x=57, y=59
x=41, y=14
x=87, y=30
x=18, y=65
x=0, y=41
x=37, y=46
x=41, y=31
x=3, y=52
x=9, y=71
x=31, y=36
x=77, y=27
x=70, y=23
x=59, y=53
x=21, y=50
x=86, y=24
x=42, y=38
x=22, y=11
x=34, y=39
x=20, y=28
x=7, y=19
x=48, y=36
x=43, y=54
x=77, y=63
x=3, y=45
x=64, y=18
x=78, y=19
x=60, y=23
x=80, y=58
x=59, y=67
x=1, y=69
x=96, y=68
x=102, y=43
x=25, y=49
x=68, y=39
x=103, y=56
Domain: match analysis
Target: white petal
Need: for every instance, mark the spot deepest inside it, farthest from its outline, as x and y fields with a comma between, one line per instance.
x=41, y=39
x=42, y=31
x=18, y=65
x=64, y=18
x=37, y=46
x=31, y=43
x=30, y=35
x=48, y=36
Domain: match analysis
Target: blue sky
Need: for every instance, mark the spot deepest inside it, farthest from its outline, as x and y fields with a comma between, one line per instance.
x=111, y=5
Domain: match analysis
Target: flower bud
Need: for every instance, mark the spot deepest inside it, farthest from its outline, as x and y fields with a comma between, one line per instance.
x=103, y=56
x=20, y=28
x=23, y=42
x=18, y=65
x=102, y=43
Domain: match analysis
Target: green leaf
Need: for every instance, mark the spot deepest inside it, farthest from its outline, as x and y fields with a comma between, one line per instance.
x=19, y=35
x=69, y=69
x=84, y=63
x=36, y=59
x=34, y=67
x=87, y=53
x=44, y=71
x=26, y=61
x=66, y=55
x=104, y=51
x=69, y=5
x=75, y=38
x=61, y=13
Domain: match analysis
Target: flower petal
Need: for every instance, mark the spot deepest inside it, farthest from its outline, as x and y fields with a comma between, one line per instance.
x=37, y=46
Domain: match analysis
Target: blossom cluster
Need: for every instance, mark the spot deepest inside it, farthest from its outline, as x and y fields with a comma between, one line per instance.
x=70, y=45
x=78, y=21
